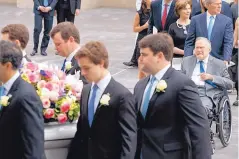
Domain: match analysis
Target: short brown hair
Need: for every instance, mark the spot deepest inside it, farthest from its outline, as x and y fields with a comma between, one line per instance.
x=67, y=29
x=181, y=4
x=17, y=32
x=161, y=42
x=95, y=51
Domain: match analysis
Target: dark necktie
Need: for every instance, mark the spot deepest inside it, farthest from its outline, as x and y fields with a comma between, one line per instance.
x=64, y=65
x=164, y=17
x=202, y=70
x=91, y=105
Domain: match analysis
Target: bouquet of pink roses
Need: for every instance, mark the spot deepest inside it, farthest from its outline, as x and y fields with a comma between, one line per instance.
x=59, y=93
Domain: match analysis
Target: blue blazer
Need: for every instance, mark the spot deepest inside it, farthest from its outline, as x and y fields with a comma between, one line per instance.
x=37, y=3
x=155, y=16
x=221, y=37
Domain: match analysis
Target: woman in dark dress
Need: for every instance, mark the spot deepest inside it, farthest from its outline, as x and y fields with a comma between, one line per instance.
x=179, y=29
x=141, y=27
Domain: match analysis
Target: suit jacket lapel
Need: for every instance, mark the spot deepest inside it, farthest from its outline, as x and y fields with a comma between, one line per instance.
x=156, y=95
x=159, y=14
x=191, y=66
x=74, y=65
x=209, y=65
x=84, y=101
x=170, y=13
x=204, y=24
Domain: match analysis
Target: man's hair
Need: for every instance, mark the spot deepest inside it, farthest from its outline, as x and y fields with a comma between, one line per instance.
x=95, y=51
x=10, y=52
x=17, y=32
x=207, y=42
x=67, y=30
x=209, y=1
x=181, y=4
x=161, y=42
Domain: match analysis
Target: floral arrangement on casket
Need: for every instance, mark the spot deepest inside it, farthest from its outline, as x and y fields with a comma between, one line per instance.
x=59, y=93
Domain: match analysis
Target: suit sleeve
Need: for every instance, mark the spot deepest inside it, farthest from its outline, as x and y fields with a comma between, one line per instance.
x=228, y=41
x=196, y=120
x=191, y=38
x=183, y=70
x=37, y=4
x=151, y=21
x=128, y=126
x=53, y=4
x=223, y=80
x=32, y=126
x=78, y=4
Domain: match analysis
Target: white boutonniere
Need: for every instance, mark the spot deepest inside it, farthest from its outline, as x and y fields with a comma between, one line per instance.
x=161, y=86
x=105, y=99
x=68, y=65
x=5, y=100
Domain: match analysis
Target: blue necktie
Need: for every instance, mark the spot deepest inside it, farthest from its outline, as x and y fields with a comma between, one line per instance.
x=63, y=66
x=147, y=97
x=2, y=93
x=203, y=71
x=45, y=3
x=91, y=105
x=210, y=26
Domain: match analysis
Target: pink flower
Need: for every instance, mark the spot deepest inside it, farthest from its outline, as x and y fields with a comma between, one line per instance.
x=61, y=75
x=33, y=77
x=56, y=87
x=32, y=66
x=41, y=84
x=26, y=71
x=49, y=86
x=62, y=118
x=49, y=74
x=49, y=113
x=46, y=102
x=65, y=107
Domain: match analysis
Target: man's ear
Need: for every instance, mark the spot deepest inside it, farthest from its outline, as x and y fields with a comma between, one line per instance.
x=18, y=43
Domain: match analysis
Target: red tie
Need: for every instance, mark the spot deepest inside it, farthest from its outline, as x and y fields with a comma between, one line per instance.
x=164, y=17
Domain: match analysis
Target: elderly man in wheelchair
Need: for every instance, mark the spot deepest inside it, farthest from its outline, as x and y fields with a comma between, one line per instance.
x=212, y=78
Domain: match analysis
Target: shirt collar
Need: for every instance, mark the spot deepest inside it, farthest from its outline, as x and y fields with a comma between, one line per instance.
x=209, y=15
x=205, y=61
x=160, y=74
x=102, y=84
x=9, y=83
x=169, y=4
x=69, y=58
x=24, y=53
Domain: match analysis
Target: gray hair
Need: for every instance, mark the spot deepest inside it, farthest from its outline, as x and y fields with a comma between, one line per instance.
x=10, y=52
x=209, y=1
x=206, y=41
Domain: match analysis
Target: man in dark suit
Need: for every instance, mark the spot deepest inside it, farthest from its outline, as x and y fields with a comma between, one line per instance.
x=66, y=38
x=170, y=113
x=162, y=15
x=67, y=9
x=19, y=34
x=43, y=10
x=107, y=125
x=21, y=120
x=209, y=25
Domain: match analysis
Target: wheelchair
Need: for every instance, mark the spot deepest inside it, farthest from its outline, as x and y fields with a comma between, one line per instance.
x=222, y=117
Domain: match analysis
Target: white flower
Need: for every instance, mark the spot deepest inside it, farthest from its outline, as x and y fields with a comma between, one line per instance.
x=4, y=100
x=105, y=99
x=68, y=65
x=161, y=86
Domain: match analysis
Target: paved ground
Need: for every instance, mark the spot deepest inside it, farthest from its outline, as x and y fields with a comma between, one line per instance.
x=114, y=28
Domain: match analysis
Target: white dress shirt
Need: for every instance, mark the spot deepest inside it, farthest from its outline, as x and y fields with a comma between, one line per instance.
x=158, y=77
x=102, y=84
x=196, y=72
x=163, y=6
x=9, y=83
x=70, y=57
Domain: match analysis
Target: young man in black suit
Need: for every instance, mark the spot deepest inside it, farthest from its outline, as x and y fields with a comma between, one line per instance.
x=43, y=11
x=107, y=125
x=21, y=120
x=66, y=38
x=171, y=116
x=67, y=10
x=162, y=15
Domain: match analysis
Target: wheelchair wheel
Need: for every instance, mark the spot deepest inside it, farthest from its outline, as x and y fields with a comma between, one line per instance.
x=225, y=121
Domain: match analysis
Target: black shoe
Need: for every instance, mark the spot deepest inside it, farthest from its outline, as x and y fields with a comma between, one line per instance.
x=236, y=102
x=130, y=64
x=213, y=146
x=34, y=52
x=56, y=53
x=43, y=53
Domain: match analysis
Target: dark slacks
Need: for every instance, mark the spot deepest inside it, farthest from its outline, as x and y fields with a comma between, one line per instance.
x=64, y=14
x=48, y=22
